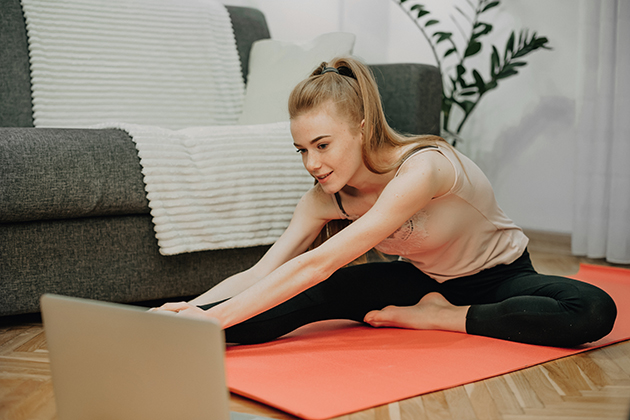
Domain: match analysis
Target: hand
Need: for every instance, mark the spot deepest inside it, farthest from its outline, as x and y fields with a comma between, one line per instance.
x=182, y=308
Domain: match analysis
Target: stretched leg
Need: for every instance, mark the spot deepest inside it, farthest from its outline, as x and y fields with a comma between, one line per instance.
x=518, y=304
x=349, y=293
x=545, y=310
x=511, y=302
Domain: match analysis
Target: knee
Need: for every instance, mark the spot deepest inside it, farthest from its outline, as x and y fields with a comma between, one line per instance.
x=603, y=311
x=595, y=317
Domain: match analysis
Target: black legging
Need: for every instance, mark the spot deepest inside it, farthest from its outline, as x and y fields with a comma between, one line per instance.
x=511, y=302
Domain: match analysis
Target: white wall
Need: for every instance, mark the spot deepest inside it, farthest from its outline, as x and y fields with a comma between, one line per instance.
x=522, y=133
x=525, y=129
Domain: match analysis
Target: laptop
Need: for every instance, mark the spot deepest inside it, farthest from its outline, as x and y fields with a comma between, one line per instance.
x=112, y=361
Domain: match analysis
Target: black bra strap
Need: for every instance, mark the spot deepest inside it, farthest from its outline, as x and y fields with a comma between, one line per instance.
x=338, y=198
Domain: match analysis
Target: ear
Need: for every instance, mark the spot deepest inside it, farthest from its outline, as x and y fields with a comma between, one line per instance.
x=361, y=130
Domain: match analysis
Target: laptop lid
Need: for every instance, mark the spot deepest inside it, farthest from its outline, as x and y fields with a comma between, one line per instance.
x=112, y=361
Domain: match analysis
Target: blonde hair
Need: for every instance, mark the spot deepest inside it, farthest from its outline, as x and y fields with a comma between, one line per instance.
x=352, y=88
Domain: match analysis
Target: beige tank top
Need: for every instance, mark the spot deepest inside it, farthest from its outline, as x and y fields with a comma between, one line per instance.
x=459, y=233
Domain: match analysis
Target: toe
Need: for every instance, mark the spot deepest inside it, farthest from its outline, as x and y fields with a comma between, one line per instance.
x=384, y=318
x=370, y=317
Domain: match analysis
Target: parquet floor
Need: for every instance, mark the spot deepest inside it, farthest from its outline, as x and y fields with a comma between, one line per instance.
x=592, y=385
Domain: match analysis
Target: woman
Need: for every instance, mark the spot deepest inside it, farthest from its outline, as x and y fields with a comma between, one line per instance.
x=464, y=265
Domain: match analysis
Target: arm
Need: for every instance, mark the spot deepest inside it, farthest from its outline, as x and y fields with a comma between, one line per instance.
x=305, y=225
x=429, y=176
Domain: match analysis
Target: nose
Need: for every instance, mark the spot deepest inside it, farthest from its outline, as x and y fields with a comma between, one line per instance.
x=311, y=162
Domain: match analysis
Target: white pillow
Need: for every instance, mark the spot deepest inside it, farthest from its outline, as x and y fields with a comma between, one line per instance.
x=275, y=67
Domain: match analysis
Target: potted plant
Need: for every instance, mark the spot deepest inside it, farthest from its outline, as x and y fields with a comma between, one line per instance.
x=462, y=85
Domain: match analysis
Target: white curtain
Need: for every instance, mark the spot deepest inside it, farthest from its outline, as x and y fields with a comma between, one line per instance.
x=602, y=175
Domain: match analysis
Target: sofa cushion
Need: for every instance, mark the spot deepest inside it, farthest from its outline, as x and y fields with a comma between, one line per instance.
x=411, y=95
x=275, y=67
x=68, y=173
x=105, y=258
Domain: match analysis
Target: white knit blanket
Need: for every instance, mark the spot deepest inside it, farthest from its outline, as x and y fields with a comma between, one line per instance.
x=219, y=187
x=170, y=63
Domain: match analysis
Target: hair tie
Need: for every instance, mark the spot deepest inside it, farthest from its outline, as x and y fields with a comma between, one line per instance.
x=329, y=69
x=346, y=71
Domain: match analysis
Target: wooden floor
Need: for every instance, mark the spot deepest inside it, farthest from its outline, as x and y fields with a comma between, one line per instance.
x=592, y=385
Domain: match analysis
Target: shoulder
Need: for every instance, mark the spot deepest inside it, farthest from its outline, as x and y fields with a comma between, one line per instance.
x=317, y=204
x=429, y=165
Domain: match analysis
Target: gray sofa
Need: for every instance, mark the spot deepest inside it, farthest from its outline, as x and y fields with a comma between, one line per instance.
x=74, y=218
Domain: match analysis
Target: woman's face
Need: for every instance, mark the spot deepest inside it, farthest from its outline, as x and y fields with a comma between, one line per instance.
x=330, y=146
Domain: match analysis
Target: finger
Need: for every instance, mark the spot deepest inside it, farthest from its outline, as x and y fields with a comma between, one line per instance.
x=174, y=306
x=190, y=313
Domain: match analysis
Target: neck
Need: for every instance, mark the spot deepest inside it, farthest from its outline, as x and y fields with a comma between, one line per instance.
x=366, y=182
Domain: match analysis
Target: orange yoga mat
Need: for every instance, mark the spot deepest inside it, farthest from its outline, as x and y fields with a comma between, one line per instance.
x=332, y=368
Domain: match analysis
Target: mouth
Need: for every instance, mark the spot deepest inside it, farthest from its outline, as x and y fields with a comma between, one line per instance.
x=323, y=178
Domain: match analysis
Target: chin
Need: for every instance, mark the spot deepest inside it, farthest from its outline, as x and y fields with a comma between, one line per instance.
x=329, y=189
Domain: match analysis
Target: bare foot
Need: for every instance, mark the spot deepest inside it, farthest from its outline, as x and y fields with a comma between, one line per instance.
x=433, y=312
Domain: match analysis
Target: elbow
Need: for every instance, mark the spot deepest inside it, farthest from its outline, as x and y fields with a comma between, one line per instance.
x=316, y=266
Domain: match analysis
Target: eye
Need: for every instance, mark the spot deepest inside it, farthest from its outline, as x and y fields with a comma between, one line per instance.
x=301, y=151
x=322, y=146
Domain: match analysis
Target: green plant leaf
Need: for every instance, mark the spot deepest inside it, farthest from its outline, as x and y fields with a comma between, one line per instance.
x=431, y=22
x=461, y=70
x=442, y=36
x=494, y=61
x=467, y=106
x=481, y=85
x=509, y=46
x=449, y=52
x=486, y=30
x=533, y=44
x=473, y=48
x=506, y=73
x=421, y=10
x=490, y=6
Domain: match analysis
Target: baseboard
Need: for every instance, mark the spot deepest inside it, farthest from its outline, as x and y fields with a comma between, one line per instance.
x=549, y=242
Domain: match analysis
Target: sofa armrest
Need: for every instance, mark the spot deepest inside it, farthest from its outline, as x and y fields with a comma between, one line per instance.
x=15, y=82
x=51, y=173
x=411, y=95
x=249, y=26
